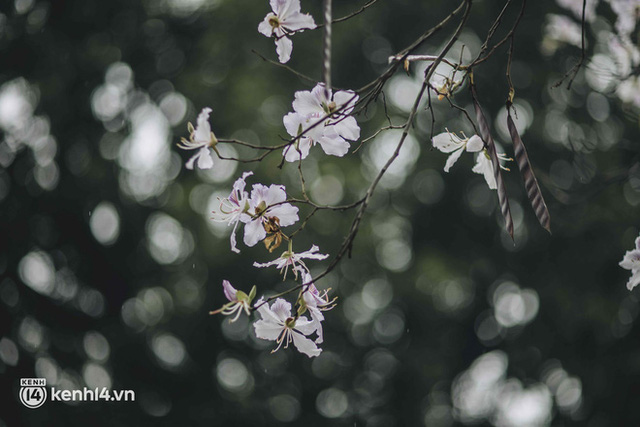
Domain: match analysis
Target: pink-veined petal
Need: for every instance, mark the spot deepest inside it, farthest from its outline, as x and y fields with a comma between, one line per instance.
x=265, y=312
x=229, y=291
x=281, y=308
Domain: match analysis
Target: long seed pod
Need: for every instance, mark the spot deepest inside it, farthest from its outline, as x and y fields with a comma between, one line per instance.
x=485, y=134
x=530, y=182
x=326, y=46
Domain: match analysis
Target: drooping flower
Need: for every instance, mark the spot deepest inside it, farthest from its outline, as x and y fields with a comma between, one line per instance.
x=448, y=142
x=293, y=260
x=485, y=167
x=234, y=209
x=284, y=21
x=238, y=301
x=445, y=86
x=278, y=325
x=201, y=138
x=631, y=261
x=340, y=126
x=268, y=211
x=314, y=301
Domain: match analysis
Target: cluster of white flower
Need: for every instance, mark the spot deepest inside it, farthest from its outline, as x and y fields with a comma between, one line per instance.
x=319, y=116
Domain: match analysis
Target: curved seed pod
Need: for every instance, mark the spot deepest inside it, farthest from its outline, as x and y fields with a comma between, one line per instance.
x=485, y=134
x=530, y=182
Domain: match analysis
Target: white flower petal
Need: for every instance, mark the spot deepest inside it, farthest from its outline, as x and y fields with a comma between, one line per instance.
x=254, y=232
x=286, y=213
x=229, y=291
x=484, y=167
x=294, y=123
x=267, y=330
x=191, y=161
x=305, y=326
x=347, y=127
x=475, y=144
x=284, y=46
x=631, y=260
x=345, y=97
x=299, y=22
x=336, y=146
x=232, y=239
x=447, y=142
x=205, y=161
x=202, y=133
x=305, y=345
x=282, y=309
x=634, y=280
x=265, y=27
x=452, y=159
x=308, y=103
x=293, y=154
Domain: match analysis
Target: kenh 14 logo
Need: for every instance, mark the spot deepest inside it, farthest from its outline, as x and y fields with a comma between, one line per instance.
x=33, y=392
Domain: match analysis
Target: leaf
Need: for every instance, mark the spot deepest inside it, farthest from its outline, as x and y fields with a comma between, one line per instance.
x=530, y=182
x=485, y=134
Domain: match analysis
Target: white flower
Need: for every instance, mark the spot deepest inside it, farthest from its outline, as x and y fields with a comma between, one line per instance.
x=238, y=301
x=278, y=325
x=448, y=142
x=335, y=132
x=485, y=167
x=293, y=260
x=233, y=209
x=285, y=20
x=316, y=302
x=631, y=261
x=200, y=138
x=267, y=207
x=445, y=86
